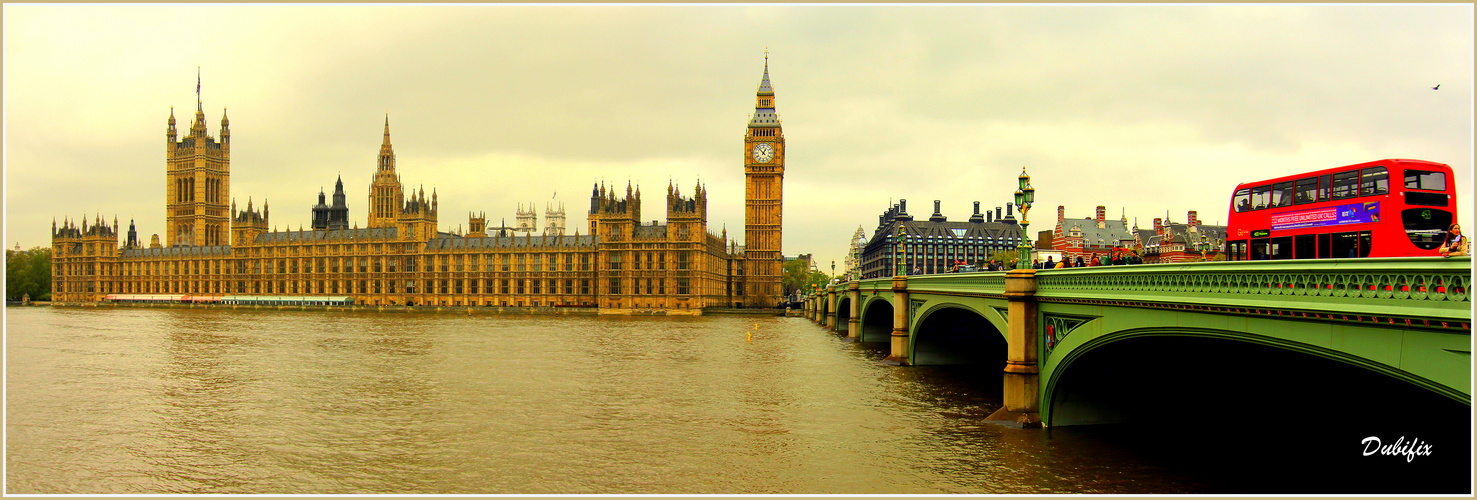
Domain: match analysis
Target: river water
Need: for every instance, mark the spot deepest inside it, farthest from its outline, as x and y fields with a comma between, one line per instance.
x=219, y=401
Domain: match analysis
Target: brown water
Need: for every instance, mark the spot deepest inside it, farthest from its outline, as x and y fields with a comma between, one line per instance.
x=219, y=401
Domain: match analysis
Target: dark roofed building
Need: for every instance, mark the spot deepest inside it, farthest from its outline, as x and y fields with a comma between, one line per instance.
x=1090, y=237
x=936, y=245
x=1189, y=241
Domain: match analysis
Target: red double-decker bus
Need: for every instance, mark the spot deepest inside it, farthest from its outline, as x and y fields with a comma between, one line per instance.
x=1384, y=208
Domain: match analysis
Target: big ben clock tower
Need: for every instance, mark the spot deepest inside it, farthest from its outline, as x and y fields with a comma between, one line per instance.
x=764, y=176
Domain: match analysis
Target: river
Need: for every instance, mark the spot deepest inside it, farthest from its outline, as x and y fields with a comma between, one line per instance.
x=103, y=400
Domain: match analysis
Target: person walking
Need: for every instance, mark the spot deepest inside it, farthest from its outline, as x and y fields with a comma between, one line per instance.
x=1079, y=262
x=1049, y=263
x=1455, y=244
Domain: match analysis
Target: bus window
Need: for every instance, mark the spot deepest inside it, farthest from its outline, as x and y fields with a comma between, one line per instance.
x=1323, y=187
x=1325, y=245
x=1375, y=180
x=1346, y=184
x=1345, y=245
x=1366, y=243
x=1281, y=194
x=1242, y=200
x=1429, y=181
x=1237, y=250
x=1425, y=227
x=1303, y=246
x=1281, y=248
x=1307, y=191
x=1260, y=196
x=1258, y=250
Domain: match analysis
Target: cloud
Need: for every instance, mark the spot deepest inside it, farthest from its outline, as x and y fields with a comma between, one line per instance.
x=1140, y=108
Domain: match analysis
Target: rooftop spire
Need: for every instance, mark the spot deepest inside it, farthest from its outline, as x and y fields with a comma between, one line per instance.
x=387, y=152
x=764, y=87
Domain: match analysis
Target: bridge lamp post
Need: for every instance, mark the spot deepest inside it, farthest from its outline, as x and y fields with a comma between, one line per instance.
x=1024, y=196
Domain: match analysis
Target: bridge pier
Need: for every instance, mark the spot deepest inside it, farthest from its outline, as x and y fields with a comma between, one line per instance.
x=831, y=307
x=854, y=322
x=1022, y=375
x=900, y=317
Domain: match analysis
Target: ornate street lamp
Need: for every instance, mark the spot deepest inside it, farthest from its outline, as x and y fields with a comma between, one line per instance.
x=1024, y=196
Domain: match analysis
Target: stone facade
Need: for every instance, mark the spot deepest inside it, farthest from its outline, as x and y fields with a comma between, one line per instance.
x=622, y=265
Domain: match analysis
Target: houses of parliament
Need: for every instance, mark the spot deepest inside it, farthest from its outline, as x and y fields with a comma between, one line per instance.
x=624, y=262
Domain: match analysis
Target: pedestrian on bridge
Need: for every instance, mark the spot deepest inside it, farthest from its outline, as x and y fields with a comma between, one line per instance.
x=1455, y=245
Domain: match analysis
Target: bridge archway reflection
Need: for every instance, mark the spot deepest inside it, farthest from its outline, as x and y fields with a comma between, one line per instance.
x=876, y=321
x=843, y=313
x=955, y=336
x=1285, y=415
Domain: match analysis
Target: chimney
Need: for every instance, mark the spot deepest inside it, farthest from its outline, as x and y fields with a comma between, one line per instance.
x=1158, y=225
x=1008, y=207
x=902, y=207
x=976, y=217
x=1061, y=213
x=1102, y=213
x=938, y=215
x=990, y=216
x=997, y=214
x=1194, y=220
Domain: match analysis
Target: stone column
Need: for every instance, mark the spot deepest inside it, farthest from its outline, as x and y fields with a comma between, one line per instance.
x=1022, y=397
x=900, y=317
x=831, y=307
x=854, y=323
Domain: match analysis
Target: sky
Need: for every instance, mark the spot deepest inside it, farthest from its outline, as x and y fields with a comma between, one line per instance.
x=1147, y=110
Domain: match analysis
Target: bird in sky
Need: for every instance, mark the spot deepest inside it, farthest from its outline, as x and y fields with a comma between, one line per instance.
x=1437, y=87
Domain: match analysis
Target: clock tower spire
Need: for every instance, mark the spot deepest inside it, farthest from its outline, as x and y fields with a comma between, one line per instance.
x=764, y=175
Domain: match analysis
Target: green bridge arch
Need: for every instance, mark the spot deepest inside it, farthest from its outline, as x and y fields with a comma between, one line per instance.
x=1408, y=319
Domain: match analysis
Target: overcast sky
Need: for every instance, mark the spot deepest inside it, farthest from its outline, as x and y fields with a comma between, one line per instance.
x=1144, y=109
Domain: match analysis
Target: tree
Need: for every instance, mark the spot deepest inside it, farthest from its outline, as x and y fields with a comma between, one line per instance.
x=799, y=277
x=796, y=275
x=28, y=272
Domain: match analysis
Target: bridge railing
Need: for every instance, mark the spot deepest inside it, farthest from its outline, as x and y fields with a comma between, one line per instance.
x=983, y=282
x=1422, y=286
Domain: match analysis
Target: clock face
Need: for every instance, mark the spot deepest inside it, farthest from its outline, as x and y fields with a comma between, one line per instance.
x=763, y=152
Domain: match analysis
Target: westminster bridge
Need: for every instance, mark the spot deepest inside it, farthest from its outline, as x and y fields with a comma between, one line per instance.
x=1107, y=344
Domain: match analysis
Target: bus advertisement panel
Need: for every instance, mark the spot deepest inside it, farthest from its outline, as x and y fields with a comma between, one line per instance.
x=1352, y=213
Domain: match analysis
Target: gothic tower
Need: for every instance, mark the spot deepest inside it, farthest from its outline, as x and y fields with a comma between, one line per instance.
x=764, y=175
x=553, y=219
x=527, y=220
x=197, y=182
x=386, y=195
x=687, y=218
